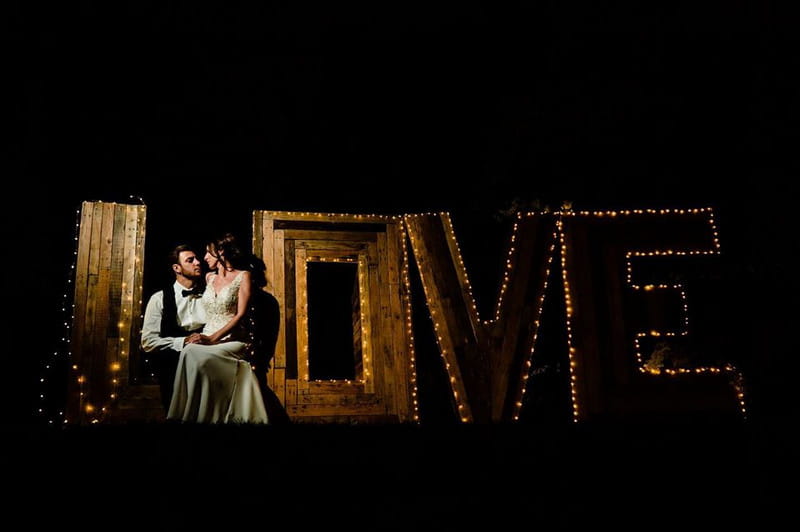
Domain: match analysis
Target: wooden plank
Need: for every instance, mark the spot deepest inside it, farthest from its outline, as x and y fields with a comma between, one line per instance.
x=301, y=311
x=367, y=320
x=327, y=410
x=324, y=238
x=279, y=383
x=421, y=229
x=331, y=387
x=115, y=286
x=332, y=248
x=128, y=360
x=100, y=383
x=327, y=217
x=114, y=328
x=257, y=243
x=401, y=300
x=137, y=314
x=292, y=370
x=339, y=399
x=525, y=290
x=115, y=322
x=85, y=359
x=382, y=334
x=461, y=272
x=396, y=325
x=267, y=247
x=279, y=287
x=81, y=276
x=79, y=308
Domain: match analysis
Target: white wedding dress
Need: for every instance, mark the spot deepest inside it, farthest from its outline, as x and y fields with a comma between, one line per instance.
x=213, y=384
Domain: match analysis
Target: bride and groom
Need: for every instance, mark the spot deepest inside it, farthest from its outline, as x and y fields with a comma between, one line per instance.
x=203, y=339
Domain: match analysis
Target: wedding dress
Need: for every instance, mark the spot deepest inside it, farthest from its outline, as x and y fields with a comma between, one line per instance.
x=213, y=384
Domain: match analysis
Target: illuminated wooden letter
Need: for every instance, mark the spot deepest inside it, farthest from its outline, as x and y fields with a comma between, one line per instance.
x=106, y=319
x=610, y=312
x=377, y=383
x=488, y=362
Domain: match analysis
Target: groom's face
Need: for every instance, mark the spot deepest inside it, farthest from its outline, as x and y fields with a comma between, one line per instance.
x=188, y=265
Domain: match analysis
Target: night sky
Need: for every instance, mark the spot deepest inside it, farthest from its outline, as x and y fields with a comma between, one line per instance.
x=209, y=111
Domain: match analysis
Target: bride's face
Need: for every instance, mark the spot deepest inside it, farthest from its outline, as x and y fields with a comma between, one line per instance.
x=211, y=259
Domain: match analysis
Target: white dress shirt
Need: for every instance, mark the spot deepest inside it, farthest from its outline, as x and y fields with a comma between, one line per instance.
x=190, y=316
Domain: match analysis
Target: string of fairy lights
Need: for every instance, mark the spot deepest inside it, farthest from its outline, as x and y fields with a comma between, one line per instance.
x=571, y=351
x=95, y=413
x=475, y=313
x=439, y=327
x=67, y=309
x=365, y=335
x=361, y=262
x=560, y=235
x=737, y=377
x=409, y=326
x=525, y=374
x=509, y=268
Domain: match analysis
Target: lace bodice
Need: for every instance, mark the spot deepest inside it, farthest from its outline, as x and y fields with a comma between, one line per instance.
x=221, y=307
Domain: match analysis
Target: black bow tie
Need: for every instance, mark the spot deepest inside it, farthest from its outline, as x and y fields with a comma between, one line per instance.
x=193, y=292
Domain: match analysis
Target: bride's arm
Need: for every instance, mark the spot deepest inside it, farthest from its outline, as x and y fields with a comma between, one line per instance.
x=241, y=309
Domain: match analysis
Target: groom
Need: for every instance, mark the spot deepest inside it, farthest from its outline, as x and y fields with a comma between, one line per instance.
x=174, y=317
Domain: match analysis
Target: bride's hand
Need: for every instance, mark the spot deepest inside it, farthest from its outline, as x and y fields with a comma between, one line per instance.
x=204, y=340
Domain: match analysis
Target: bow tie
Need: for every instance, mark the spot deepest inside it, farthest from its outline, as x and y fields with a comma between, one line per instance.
x=193, y=292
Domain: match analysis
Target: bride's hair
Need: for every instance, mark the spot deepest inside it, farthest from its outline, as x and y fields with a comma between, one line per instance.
x=228, y=246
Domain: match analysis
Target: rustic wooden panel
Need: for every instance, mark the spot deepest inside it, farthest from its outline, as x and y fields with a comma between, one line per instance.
x=328, y=387
x=339, y=399
x=383, y=341
x=518, y=325
x=330, y=240
x=129, y=362
x=358, y=338
x=100, y=371
x=301, y=311
x=85, y=360
x=137, y=315
x=367, y=319
x=79, y=308
x=433, y=257
x=278, y=288
x=115, y=294
x=461, y=272
x=327, y=217
x=609, y=383
x=257, y=244
x=400, y=352
x=102, y=302
x=332, y=410
x=385, y=347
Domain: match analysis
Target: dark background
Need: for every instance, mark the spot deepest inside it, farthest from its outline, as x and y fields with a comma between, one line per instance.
x=209, y=111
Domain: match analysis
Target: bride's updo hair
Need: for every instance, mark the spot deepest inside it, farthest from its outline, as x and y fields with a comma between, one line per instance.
x=227, y=246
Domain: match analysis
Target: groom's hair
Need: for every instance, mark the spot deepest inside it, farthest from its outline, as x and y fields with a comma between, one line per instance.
x=175, y=254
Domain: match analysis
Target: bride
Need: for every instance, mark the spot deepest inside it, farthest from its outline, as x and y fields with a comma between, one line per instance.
x=213, y=383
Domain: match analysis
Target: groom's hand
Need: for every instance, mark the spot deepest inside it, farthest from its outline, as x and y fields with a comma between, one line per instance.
x=194, y=338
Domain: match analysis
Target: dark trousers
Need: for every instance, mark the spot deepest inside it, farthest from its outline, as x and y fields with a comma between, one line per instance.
x=166, y=364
